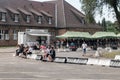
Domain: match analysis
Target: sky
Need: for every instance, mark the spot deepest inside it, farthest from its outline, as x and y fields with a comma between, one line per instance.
x=106, y=14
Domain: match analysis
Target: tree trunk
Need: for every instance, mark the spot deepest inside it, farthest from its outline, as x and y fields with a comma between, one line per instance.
x=117, y=15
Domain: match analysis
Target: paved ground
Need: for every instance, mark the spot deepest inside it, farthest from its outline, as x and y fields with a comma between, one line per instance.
x=15, y=68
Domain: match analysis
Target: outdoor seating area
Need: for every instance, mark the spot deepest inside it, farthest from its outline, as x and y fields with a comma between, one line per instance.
x=83, y=42
x=80, y=61
x=25, y=51
x=98, y=39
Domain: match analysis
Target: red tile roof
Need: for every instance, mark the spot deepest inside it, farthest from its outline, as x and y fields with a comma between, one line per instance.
x=65, y=14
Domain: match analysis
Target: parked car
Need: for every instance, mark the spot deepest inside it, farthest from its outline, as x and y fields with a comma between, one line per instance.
x=73, y=47
x=114, y=45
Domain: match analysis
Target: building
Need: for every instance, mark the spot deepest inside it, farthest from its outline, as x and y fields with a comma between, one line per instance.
x=56, y=16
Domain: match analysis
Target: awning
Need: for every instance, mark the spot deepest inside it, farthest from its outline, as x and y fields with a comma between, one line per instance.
x=104, y=35
x=72, y=34
x=118, y=35
x=36, y=33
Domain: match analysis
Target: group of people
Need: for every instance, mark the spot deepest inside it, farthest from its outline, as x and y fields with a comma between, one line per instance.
x=24, y=51
x=48, y=52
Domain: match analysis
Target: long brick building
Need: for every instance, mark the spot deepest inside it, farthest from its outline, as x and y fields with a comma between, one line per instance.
x=55, y=16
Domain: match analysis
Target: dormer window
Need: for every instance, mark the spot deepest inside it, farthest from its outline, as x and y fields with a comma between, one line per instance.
x=28, y=18
x=39, y=19
x=3, y=17
x=25, y=14
x=37, y=15
x=16, y=17
x=50, y=20
x=48, y=16
x=13, y=14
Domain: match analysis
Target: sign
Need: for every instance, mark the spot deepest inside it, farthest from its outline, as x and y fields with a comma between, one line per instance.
x=77, y=60
x=115, y=63
x=39, y=57
x=60, y=59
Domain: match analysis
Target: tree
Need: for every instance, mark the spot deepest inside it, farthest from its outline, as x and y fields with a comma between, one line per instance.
x=104, y=24
x=89, y=10
x=98, y=4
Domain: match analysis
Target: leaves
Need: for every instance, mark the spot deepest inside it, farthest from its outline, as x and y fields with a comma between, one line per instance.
x=90, y=7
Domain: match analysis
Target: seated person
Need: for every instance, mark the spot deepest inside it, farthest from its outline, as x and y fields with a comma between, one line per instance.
x=28, y=51
x=19, y=49
x=36, y=47
x=46, y=53
x=51, y=55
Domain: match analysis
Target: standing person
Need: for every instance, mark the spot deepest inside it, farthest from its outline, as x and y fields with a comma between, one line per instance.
x=84, y=46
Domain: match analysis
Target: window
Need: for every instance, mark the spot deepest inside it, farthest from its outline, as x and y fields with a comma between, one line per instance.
x=39, y=19
x=50, y=20
x=16, y=17
x=1, y=34
x=3, y=17
x=52, y=34
x=6, y=35
x=28, y=18
x=15, y=36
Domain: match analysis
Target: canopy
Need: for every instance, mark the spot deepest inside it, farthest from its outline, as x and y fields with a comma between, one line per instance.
x=118, y=35
x=104, y=35
x=72, y=34
x=38, y=33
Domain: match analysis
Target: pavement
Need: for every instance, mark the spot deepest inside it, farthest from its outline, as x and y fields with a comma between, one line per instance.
x=16, y=68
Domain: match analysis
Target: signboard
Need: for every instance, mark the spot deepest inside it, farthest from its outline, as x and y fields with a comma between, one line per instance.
x=60, y=59
x=73, y=60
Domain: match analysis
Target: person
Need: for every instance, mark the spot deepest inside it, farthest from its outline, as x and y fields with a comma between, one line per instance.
x=28, y=51
x=46, y=53
x=19, y=49
x=84, y=46
x=51, y=55
x=36, y=47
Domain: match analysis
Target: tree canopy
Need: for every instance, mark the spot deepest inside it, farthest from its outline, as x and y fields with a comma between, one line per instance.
x=91, y=6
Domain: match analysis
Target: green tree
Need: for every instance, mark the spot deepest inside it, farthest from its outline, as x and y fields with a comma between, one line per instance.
x=111, y=27
x=104, y=24
x=98, y=5
x=89, y=10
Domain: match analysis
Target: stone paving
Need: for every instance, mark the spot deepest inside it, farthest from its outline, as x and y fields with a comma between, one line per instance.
x=16, y=68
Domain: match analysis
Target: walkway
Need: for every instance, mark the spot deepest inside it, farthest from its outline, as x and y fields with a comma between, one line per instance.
x=15, y=68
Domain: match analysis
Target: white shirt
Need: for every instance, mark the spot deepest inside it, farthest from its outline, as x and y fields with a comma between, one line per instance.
x=84, y=45
x=30, y=49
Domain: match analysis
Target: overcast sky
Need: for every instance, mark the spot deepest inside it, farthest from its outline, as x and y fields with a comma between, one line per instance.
x=76, y=3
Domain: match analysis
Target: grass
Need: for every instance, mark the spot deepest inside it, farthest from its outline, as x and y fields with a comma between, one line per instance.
x=110, y=55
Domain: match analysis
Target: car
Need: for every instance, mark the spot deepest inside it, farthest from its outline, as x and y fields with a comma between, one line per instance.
x=114, y=46
x=73, y=47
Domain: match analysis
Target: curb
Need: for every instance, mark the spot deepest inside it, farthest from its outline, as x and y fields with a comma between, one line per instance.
x=81, y=61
